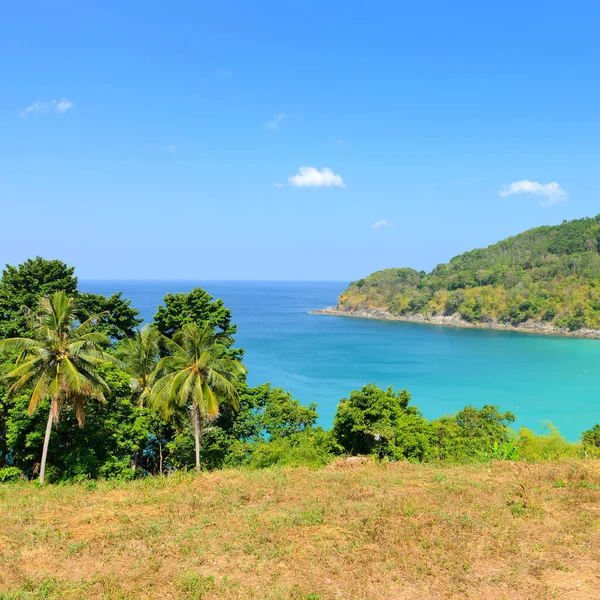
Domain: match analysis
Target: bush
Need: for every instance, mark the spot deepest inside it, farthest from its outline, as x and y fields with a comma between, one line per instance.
x=591, y=437
x=454, y=301
x=379, y=422
x=550, y=446
x=312, y=449
x=474, y=433
x=10, y=474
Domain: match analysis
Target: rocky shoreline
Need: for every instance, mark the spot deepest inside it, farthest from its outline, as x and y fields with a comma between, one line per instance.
x=456, y=321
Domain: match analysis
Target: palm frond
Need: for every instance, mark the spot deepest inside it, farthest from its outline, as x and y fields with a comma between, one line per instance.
x=17, y=344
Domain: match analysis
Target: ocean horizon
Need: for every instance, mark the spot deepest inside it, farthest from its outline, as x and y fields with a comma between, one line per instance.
x=321, y=359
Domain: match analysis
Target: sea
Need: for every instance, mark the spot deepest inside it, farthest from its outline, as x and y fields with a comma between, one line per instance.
x=321, y=359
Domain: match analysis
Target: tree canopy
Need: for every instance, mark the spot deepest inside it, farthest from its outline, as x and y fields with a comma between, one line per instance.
x=117, y=318
x=22, y=286
x=197, y=306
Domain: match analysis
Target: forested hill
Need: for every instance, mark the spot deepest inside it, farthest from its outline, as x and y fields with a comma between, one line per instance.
x=547, y=275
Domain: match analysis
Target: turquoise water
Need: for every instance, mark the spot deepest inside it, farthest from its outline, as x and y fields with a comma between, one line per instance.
x=322, y=358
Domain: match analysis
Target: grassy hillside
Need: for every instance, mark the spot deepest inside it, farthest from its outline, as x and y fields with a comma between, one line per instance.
x=544, y=275
x=362, y=531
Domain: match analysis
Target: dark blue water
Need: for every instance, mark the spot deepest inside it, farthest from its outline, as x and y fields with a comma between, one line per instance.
x=322, y=358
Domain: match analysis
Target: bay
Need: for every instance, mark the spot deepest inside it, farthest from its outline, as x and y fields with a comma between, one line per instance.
x=322, y=358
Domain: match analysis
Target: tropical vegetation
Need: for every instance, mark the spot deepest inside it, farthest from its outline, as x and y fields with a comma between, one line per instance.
x=59, y=363
x=548, y=275
x=171, y=396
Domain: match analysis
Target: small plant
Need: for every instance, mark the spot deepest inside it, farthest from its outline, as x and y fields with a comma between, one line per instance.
x=10, y=474
x=440, y=477
x=197, y=586
x=75, y=547
x=503, y=451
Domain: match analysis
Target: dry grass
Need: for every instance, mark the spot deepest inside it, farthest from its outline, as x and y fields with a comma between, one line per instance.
x=348, y=531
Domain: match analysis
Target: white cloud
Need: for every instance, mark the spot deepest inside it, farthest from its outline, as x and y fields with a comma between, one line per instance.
x=35, y=108
x=275, y=123
x=54, y=106
x=550, y=193
x=63, y=105
x=312, y=177
x=380, y=223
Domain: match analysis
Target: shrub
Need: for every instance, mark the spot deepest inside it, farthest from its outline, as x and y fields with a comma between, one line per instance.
x=550, y=446
x=591, y=437
x=10, y=474
x=379, y=422
x=312, y=449
x=474, y=433
x=454, y=301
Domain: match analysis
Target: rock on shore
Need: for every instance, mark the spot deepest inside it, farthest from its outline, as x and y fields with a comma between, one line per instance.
x=456, y=321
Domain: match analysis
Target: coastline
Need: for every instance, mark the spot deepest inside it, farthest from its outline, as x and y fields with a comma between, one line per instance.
x=456, y=321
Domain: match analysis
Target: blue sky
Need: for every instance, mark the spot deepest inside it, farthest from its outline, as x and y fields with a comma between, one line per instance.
x=154, y=140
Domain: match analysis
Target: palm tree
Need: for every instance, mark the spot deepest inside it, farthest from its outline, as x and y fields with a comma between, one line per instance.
x=138, y=356
x=60, y=362
x=196, y=374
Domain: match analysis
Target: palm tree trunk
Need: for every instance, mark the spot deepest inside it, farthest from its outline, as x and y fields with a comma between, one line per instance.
x=46, y=443
x=196, y=419
x=160, y=470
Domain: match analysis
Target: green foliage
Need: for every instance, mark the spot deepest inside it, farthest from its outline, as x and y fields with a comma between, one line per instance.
x=265, y=416
x=313, y=448
x=504, y=451
x=197, y=306
x=21, y=288
x=280, y=415
x=60, y=362
x=591, y=437
x=547, y=274
x=138, y=355
x=5, y=406
x=122, y=438
x=195, y=377
x=118, y=318
x=113, y=432
x=10, y=474
x=551, y=446
x=473, y=432
x=380, y=422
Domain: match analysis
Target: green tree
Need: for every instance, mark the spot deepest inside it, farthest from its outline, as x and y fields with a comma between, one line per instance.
x=281, y=415
x=264, y=415
x=116, y=317
x=21, y=288
x=472, y=432
x=194, y=376
x=381, y=422
x=60, y=362
x=139, y=355
x=197, y=306
x=591, y=437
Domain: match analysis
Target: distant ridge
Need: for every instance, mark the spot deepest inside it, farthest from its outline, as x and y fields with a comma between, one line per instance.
x=544, y=280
